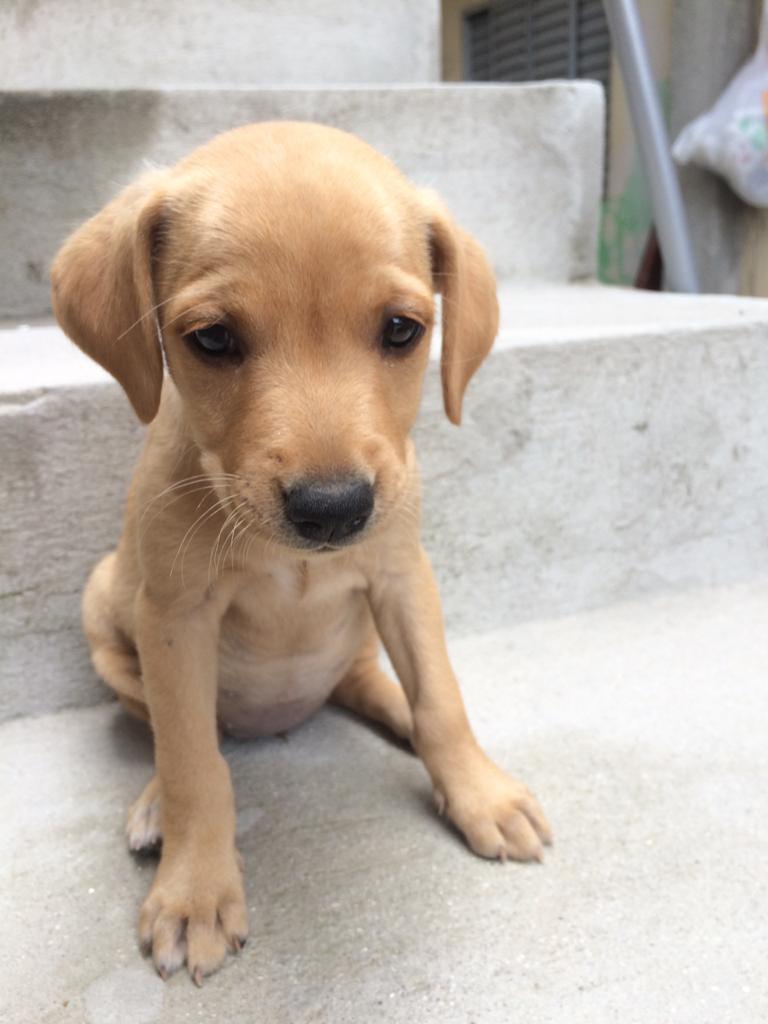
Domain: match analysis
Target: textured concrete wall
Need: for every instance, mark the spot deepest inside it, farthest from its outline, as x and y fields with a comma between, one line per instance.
x=66, y=457
x=518, y=165
x=613, y=445
x=129, y=44
x=710, y=41
x=599, y=469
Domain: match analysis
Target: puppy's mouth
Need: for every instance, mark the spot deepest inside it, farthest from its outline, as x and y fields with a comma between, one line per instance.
x=293, y=539
x=327, y=549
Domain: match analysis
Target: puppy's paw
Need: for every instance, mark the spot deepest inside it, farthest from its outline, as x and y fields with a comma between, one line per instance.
x=194, y=913
x=499, y=817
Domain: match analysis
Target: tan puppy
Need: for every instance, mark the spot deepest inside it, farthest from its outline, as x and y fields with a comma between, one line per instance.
x=286, y=273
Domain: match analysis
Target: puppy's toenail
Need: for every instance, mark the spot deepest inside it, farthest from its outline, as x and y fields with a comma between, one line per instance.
x=197, y=977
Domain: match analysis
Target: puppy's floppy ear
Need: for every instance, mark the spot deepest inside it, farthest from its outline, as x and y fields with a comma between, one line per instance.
x=103, y=294
x=463, y=276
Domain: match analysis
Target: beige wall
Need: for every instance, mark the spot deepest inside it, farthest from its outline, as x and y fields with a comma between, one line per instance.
x=627, y=214
x=453, y=13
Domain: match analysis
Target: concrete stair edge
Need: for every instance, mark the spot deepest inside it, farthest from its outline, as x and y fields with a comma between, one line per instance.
x=191, y=41
x=586, y=471
x=519, y=166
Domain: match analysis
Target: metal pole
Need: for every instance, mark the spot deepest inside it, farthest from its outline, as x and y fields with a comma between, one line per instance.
x=668, y=211
x=573, y=38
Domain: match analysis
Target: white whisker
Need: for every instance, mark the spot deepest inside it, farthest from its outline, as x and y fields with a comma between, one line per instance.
x=187, y=538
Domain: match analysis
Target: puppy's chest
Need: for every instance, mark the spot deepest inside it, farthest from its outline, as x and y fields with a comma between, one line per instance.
x=289, y=636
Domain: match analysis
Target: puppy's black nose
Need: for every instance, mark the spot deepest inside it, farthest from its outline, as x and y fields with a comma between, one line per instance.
x=329, y=511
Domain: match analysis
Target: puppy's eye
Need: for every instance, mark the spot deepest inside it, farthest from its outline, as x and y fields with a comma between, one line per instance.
x=401, y=332
x=214, y=342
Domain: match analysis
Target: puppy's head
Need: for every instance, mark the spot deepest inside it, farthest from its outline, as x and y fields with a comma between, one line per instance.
x=288, y=271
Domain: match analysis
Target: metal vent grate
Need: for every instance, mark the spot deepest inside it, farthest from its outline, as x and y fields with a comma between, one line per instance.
x=530, y=40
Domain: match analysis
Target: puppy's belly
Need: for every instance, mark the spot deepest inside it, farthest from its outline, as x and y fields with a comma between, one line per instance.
x=261, y=696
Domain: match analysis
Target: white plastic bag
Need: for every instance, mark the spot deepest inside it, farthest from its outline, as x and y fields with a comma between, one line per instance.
x=732, y=137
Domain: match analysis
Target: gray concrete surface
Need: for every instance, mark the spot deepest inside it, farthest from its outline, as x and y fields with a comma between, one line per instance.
x=642, y=729
x=60, y=44
x=612, y=446
x=518, y=165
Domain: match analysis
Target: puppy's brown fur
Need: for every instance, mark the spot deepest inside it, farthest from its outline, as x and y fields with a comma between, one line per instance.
x=303, y=241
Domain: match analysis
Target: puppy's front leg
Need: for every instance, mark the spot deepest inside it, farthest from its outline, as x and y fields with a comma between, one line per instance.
x=196, y=906
x=498, y=816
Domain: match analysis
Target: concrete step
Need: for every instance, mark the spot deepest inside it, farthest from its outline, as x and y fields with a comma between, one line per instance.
x=520, y=166
x=155, y=43
x=640, y=727
x=613, y=445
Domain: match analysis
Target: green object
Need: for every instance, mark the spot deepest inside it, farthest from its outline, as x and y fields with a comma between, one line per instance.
x=624, y=225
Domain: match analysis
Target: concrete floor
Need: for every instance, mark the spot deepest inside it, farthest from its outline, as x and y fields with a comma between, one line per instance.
x=642, y=728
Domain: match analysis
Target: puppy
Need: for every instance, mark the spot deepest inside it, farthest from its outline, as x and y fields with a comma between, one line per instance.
x=284, y=275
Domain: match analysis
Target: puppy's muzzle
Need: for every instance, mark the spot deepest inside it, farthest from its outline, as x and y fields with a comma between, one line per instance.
x=329, y=511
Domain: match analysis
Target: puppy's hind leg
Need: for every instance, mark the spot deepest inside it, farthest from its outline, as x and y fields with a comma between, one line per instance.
x=142, y=827
x=117, y=663
x=369, y=692
x=113, y=656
